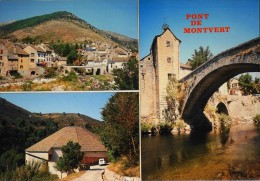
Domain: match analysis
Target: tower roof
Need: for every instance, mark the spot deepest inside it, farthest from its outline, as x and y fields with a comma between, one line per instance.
x=165, y=28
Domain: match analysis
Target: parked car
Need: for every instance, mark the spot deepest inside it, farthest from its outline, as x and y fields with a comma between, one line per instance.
x=101, y=161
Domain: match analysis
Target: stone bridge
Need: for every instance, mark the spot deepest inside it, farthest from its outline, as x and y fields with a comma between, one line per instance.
x=98, y=69
x=206, y=79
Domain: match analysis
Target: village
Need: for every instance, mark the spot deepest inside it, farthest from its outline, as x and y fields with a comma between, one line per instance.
x=30, y=61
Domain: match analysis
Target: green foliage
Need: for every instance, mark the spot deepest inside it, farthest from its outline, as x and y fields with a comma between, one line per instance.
x=127, y=78
x=16, y=75
x=66, y=50
x=120, y=132
x=200, y=56
x=225, y=120
x=247, y=84
x=50, y=72
x=71, y=77
x=256, y=120
x=32, y=40
x=30, y=22
x=179, y=124
x=27, y=86
x=175, y=99
x=71, y=158
x=145, y=127
x=29, y=172
x=17, y=133
x=72, y=56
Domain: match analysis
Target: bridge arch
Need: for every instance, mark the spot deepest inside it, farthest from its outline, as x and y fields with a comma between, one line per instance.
x=222, y=108
x=211, y=75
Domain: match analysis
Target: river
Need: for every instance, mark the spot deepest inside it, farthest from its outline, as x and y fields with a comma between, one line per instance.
x=232, y=154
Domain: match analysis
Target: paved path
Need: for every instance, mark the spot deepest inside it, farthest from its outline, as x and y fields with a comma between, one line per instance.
x=94, y=174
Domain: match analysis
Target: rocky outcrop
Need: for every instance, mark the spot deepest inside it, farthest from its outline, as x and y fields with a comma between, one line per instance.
x=239, y=107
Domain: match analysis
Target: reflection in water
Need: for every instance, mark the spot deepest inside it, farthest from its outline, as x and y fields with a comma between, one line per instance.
x=201, y=156
x=224, y=135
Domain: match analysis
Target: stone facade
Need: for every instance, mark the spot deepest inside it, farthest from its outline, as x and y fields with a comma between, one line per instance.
x=156, y=70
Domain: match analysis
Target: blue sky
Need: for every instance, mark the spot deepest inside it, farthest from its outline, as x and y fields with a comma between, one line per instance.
x=242, y=16
x=87, y=103
x=119, y=16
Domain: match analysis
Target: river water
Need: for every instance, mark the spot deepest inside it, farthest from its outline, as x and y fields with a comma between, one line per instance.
x=232, y=154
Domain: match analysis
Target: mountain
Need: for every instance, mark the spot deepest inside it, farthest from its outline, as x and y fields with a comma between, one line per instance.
x=61, y=26
x=70, y=119
x=11, y=114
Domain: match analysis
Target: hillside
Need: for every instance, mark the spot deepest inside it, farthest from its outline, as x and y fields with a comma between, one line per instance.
x=20, y=129
x=61, y=27
x=70, y=119
x=11, y=114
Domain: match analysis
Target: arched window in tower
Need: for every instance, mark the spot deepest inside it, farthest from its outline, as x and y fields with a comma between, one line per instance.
x=21, y=67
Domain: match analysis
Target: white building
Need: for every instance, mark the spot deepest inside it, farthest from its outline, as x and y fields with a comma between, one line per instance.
x=49, y=149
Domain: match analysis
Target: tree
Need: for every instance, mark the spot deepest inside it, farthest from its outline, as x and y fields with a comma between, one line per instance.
x=200, y=56
x=71, y=57
x=120, y=132
x=127, y=78
x=71, y=158
x=245, y=82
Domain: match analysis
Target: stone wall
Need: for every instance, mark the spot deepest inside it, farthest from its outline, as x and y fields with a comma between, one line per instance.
x=112, y=176
x=239, y=107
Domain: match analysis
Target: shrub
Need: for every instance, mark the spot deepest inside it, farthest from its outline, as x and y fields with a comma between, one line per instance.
x=179, y=124
x=30, y=171
x=17, y=75
x=256, y=120
x=71, y=77
x=50, y=72
x=145, y=128
x=27, y=86
x=225, y=120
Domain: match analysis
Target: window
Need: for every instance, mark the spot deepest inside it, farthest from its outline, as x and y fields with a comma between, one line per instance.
x=1, y=51
x=32, y=54
x=169, y=60
x=21, y=60
x=32, y=60
x=171, y=76
x=1, y=58
x=168, y=43
x=21, y=67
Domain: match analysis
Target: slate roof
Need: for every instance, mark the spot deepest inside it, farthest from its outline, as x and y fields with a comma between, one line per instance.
x=38, y=49
x=185, y=66
x=87, y=140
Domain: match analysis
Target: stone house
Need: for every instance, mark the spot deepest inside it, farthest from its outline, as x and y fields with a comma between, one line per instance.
x=37, y=55
x=185, y=69
x=49, y=149
x=48, y=55
x=3, y=60
x=156, y=69
x=234, y=88
x=116, y=63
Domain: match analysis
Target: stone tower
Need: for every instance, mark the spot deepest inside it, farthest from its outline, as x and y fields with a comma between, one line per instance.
x=155, y=71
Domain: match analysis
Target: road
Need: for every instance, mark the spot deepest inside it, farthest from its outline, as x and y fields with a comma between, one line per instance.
x=95, y=173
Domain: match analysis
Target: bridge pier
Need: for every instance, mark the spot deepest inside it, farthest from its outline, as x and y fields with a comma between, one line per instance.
x=199, y=123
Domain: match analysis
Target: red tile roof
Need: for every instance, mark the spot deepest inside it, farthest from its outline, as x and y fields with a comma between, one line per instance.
x=87, y=140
